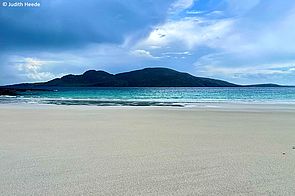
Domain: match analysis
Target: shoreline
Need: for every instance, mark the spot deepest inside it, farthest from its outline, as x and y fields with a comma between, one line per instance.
x=197, y=106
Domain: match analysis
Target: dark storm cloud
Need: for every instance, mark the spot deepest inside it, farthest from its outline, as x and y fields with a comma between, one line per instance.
x=61, y=24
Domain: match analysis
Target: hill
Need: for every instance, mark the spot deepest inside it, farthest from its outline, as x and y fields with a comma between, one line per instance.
x=148, y=77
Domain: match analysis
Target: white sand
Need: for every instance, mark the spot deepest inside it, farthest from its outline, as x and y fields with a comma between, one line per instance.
x=149, y=151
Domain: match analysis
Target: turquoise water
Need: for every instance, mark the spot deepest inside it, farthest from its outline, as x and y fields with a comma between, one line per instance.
x=155, y=96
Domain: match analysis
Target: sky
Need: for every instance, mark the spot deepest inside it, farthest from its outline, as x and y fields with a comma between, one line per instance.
x=245, y=42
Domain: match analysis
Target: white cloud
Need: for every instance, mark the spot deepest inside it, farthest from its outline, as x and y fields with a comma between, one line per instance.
x=194, y=12
x=180, y=5
x=177, y=53
x=189, y=32
x=257, y=35
x=215, y=13
x=142, y=53
x=211, y=66
x=32, y=68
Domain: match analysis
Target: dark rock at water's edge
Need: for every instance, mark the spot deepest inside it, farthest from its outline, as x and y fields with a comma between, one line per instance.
x=148, y=77
x=10, y=91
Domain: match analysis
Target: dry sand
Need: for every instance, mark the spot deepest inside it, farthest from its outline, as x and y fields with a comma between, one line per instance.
x=67, y=150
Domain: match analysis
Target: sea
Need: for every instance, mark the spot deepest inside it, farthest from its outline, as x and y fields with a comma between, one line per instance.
x=160, y=96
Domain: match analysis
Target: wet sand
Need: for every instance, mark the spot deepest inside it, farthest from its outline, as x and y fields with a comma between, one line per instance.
x=68, y=150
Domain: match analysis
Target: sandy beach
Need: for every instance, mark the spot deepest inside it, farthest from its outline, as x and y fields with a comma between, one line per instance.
x=68, y=150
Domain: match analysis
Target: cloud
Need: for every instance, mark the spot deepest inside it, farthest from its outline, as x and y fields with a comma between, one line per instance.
x=189, y=32
x=177, y=53
x=32, y=68
x=267, y=69
x=142, y=53
x=180, y=5
x=194, y=12
x=240, y=69
x=62, y=24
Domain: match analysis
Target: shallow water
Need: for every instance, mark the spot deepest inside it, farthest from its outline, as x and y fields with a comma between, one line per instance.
x=155, y=96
